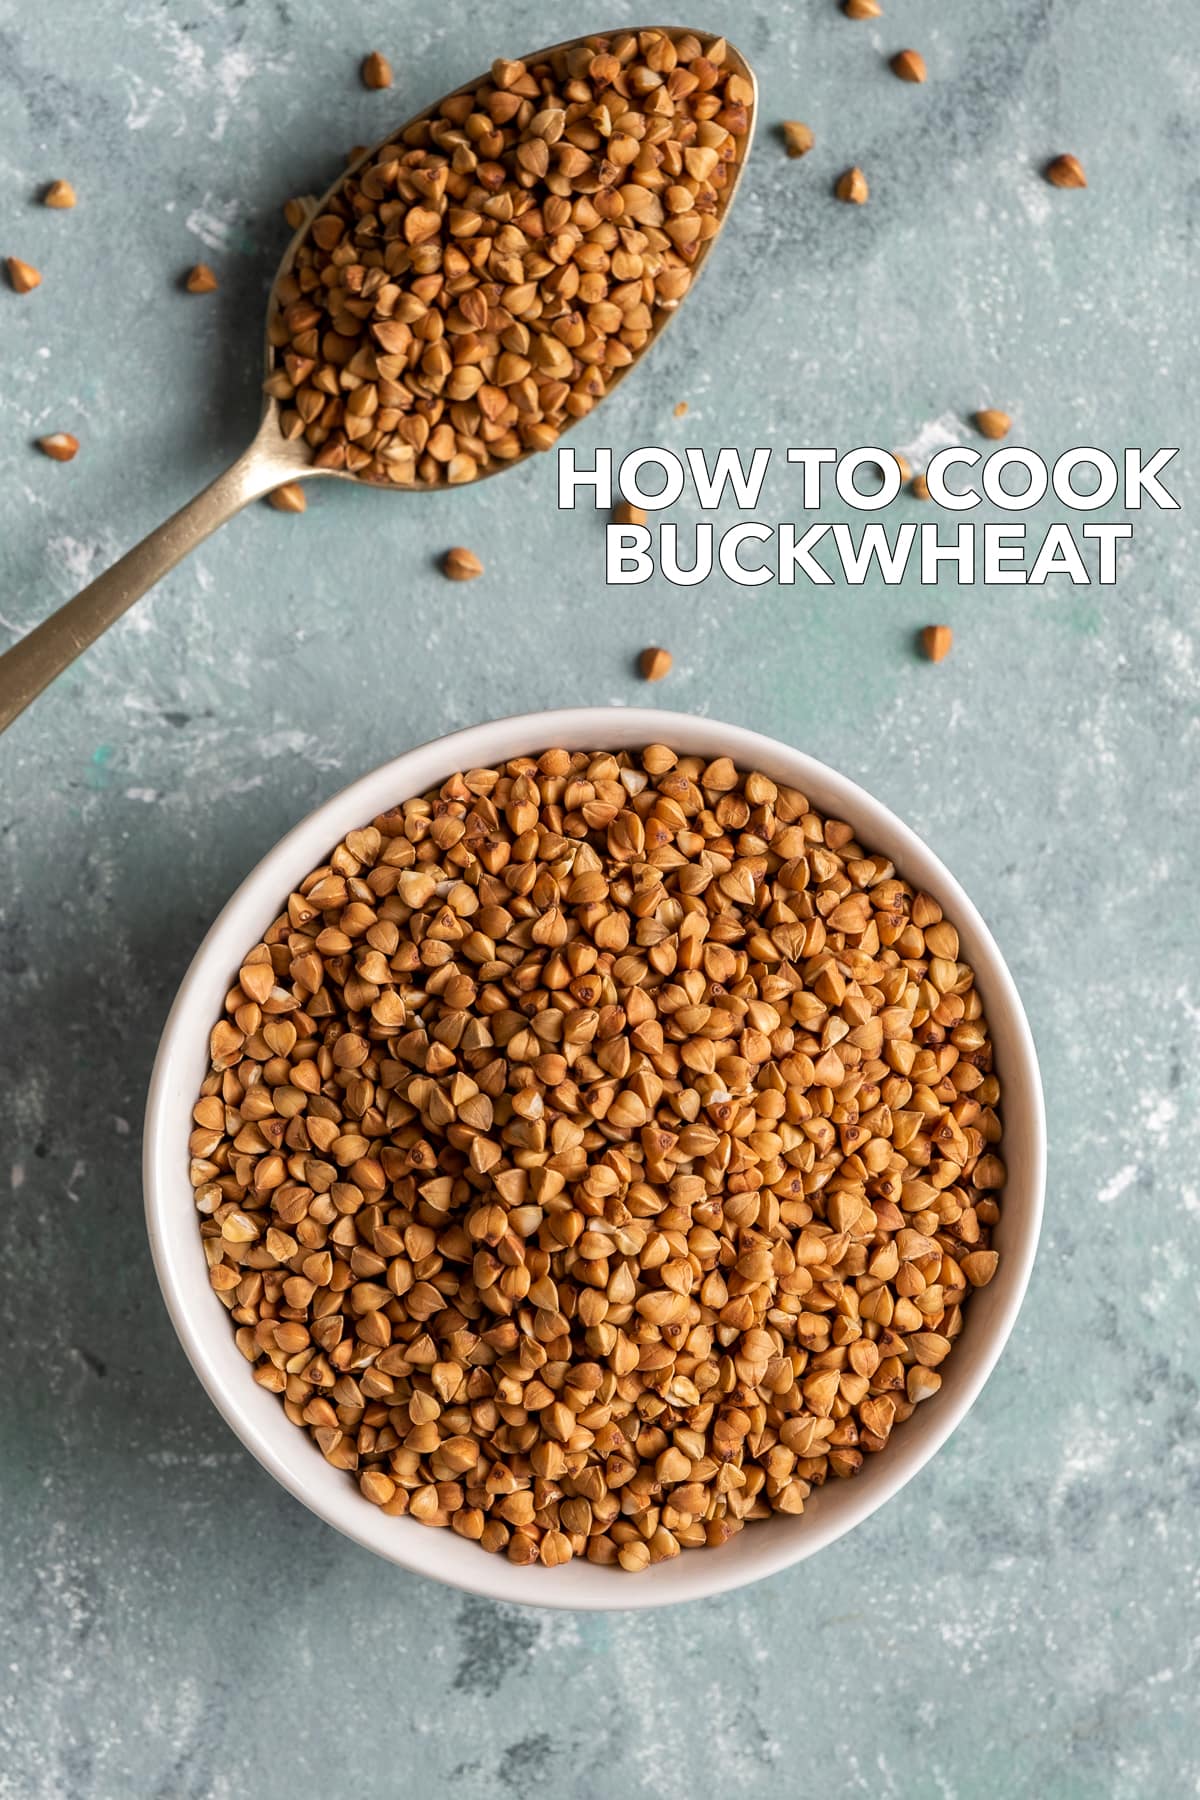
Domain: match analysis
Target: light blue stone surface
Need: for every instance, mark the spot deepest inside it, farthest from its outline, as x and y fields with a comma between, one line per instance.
x=1023, y=1619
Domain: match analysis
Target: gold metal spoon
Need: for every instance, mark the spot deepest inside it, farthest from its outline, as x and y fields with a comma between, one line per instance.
x=273, y=458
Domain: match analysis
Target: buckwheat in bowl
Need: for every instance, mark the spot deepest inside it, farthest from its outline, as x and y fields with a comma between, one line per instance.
x=596, y=1159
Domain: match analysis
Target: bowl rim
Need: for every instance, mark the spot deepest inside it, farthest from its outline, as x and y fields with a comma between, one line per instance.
x=188, y=1297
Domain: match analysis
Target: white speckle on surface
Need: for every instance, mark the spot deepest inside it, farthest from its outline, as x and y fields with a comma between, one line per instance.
x=233, y=69
x=1117, y=1185
x=213, y=220
x=1037, y=200
x=1161, y=1114
x=142, y=102
x=935, y=434
x=290, y=741
x=1087, y=1450
x=80, y=560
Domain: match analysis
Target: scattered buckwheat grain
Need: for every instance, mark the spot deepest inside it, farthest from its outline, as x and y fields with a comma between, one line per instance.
x=797, y=137
x=376, y=71
x=60, y=446
x=1066, y=172
x=654, y=663
x=23, y=277
x=461, y=565
x=289, y=498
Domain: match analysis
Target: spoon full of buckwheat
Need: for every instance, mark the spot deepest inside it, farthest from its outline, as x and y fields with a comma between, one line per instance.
x=468, y=289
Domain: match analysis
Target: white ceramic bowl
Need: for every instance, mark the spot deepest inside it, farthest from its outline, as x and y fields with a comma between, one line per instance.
x=257, y=1416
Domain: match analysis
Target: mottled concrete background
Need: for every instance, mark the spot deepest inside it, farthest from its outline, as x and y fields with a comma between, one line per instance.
x=1023, y=1619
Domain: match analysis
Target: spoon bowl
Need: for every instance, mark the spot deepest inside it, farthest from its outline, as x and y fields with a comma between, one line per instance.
x=734, y=63
x=288, y=448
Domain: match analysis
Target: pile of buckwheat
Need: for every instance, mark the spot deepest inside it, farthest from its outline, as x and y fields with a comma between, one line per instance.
x=478, y=285
x=597, y=1154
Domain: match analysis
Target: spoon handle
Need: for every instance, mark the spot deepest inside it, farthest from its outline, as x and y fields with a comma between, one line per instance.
x=49, y=648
